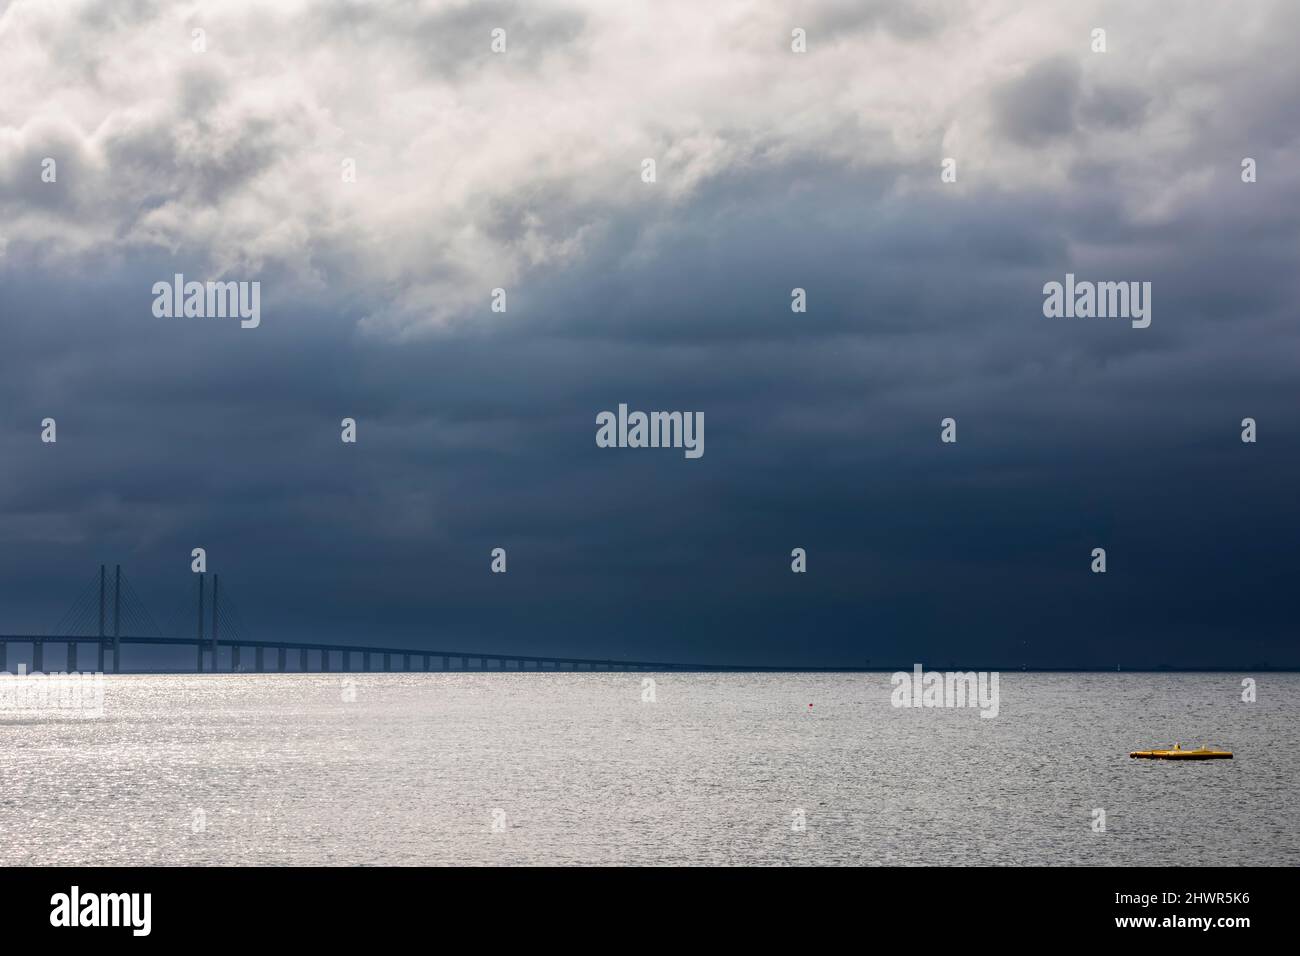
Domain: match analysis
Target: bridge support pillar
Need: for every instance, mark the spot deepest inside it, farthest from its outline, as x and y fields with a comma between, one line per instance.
x=464, y=663
x=38, y=656
x=365, y=661
x=198, y=668
x=99, y=668
x=257, y=659
x=387, y=663
x=406, y=662
x=346, y=660
x=72, y=656
x=280, y=660
x=302, y=659
x=117, y=621
x=446, y=663
x=426, y=662
x=4, y=656
x=324, y=660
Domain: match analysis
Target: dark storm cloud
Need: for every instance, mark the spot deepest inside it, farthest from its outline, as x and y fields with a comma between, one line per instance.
x=821, y=428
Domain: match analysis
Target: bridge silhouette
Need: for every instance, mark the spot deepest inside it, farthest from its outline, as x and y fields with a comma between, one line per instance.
x=107, y=621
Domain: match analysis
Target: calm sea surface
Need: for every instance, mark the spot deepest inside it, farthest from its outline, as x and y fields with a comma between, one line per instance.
x=576, y=768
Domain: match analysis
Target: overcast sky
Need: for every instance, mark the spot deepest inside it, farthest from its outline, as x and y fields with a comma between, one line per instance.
x=522, y=170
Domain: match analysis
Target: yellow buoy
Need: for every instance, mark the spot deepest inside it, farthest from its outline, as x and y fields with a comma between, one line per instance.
x=1178, y=753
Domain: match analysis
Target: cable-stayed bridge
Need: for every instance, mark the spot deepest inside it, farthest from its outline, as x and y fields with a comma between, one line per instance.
x=108, y=613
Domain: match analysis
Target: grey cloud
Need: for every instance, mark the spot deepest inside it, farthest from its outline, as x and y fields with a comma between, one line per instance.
x=914, y=20
x=1113, y=106
x=1041, y=105
x=22, y=153
x=448, y=40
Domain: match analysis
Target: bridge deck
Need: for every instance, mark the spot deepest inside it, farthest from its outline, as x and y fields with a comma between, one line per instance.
x=323, y=648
